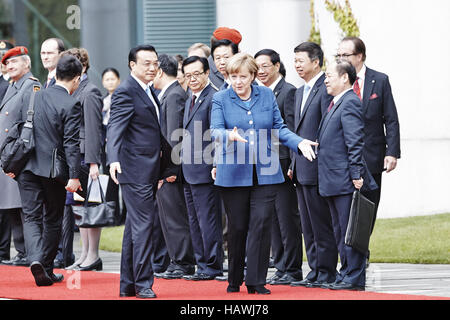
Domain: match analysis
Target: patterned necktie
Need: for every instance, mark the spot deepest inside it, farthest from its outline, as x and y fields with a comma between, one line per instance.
x=330, y=106
x=357, y=88
x=192, y=103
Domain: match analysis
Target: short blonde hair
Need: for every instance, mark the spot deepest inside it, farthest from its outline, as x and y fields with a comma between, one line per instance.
x=206, y=50
x=240, y=61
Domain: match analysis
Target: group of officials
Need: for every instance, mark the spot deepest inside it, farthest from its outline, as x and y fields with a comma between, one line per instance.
x=184, y=141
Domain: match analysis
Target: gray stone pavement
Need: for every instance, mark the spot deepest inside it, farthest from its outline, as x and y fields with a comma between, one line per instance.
x=416, y=279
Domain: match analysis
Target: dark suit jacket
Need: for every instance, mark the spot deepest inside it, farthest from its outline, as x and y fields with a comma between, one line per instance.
x=3, y=87
x=56, y=124
x=306, y=124
x=195, y=169
x=284, y=92
x=341, y=143
x=380, y=113
x=91, y=101
x=214, y=75
x=133, y=134
x=172, y=112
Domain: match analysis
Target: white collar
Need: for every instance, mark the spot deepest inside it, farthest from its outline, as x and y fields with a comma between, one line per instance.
x=200, y=92
x=336, y=99
x=142, y=84
x=51, y=74
x=160, y=95
x=313, y=81
x=362, y=73
x=62, y=86
x=274, y=84
x=5, y=76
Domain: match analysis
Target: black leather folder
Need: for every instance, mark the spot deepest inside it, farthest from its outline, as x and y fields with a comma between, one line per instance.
x=359, y=226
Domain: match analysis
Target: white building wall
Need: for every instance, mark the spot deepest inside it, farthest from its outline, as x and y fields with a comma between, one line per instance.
x=409, y=41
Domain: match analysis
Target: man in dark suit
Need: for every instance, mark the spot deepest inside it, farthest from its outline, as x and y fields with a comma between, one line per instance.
x=221, y=52
x=134, y=144
x=202, y=197
x=50, y=50
x=381, y=130
x=170, y=196
x=311, y=102
x=56, y=124
x=18, y=63
x=286, y=228
x=342, y=169
x=215, y=76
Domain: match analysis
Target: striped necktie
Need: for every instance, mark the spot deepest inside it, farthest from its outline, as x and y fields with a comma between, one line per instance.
x=357, y=88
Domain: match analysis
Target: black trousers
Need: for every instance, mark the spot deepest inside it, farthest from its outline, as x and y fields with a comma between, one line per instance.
x=374, y=195
x=175, y=224
x=11, y=222
x=250, y=211
x=42, y=228
x=287, y=248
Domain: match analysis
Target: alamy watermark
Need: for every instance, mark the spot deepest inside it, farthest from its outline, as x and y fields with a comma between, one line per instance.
x=73, y=21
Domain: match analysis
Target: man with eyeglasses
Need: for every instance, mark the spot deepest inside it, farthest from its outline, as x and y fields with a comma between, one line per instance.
x=133, y=151
x=382, y=131
x=286, y=231
x=202, y=197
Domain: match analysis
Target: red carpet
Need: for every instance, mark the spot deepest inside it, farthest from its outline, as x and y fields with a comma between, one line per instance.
x=18, y=283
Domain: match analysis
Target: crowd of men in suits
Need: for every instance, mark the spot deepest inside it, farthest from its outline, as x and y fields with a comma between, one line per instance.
x=174, y=226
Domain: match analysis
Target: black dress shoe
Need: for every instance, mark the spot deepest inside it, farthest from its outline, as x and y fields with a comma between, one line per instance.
x=146, y=294
x=57, y=277
x=275, y=277
x=58, y=264
x=175, y=274
x=232, y=288
x=258, y=289
x=286, y=279
x=97, y=265
x=40, y=275
x=328, y=285
x=346, y=286
x=301, y=283
x=17, y=261
x=221, y=278
x=127, y=294
x=199, y=277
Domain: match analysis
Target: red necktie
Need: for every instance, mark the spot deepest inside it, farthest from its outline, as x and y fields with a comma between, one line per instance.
x=192, y=103
x=357, y=89
x=330, y=106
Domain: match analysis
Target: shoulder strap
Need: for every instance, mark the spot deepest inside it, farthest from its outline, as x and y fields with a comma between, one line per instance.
x=30, y=111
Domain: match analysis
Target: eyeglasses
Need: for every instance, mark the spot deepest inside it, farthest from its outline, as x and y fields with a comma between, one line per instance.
x=265, y=66
x=195, y=75
x=344, y=55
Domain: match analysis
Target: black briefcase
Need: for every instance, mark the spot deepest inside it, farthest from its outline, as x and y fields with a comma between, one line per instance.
x=360, y=222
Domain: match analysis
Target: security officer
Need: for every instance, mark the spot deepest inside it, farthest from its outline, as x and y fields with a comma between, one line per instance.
x=22, y=84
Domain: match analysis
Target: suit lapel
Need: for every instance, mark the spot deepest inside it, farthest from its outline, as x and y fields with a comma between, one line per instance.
x=144, y=97
x=197, y=104
x=278, y=87
x=253, y=98
x=298, y=107
x=10, y=92
x=326, y=120
x=369, y=84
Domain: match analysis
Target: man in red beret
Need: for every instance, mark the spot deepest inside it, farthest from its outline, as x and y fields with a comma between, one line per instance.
x=22, y=84
x=221, y=33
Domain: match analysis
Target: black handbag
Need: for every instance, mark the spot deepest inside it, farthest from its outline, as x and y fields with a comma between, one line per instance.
x=360, y=222
x=19, y=144
x=95, y=215
x=60, y=169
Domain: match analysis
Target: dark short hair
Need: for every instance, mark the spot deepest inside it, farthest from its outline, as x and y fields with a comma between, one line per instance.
x=168, y=64
x=113, y=70
x=68, y=68
x=313, y=50
x=345, y=67
x=360, y=47
x=193, y=59
x=274, y=58
x=225, y=43
x=134, y=51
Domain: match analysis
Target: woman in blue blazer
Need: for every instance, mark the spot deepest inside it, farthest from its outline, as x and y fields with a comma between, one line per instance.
x=247, y=167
